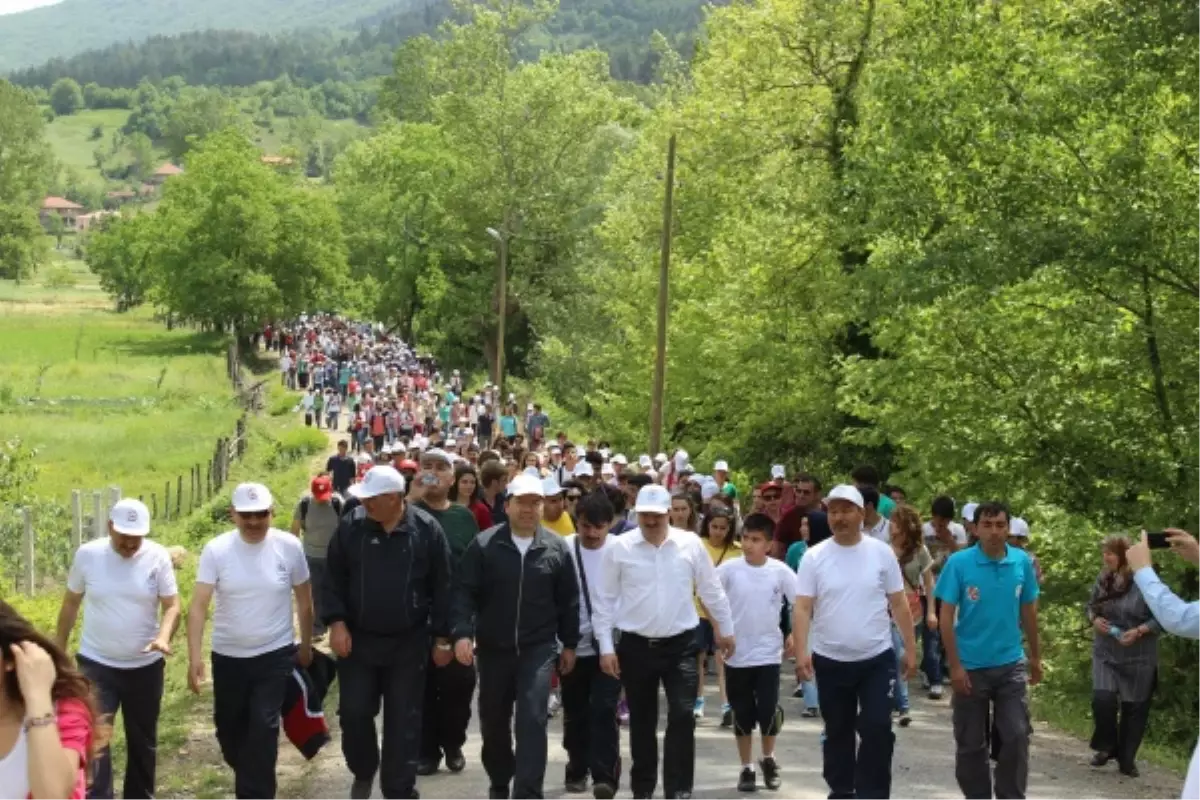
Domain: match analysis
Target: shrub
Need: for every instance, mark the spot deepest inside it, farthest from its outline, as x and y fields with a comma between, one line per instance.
x=295, y=445
x=59, y=277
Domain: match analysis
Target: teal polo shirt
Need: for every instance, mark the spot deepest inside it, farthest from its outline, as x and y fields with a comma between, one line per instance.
x=988, y=594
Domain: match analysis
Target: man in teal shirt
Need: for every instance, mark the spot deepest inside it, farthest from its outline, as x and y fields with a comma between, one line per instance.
x=994, y=590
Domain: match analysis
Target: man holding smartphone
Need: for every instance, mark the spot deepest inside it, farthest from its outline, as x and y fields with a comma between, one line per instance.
x=1175, y=615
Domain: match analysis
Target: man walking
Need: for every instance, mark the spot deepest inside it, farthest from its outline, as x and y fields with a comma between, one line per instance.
x=449, y=685
x=122, y=581
x=648, y=576
x=314, y=521
x=846, y=586
x=254, y=571
x=590, y=733
x=387, y=592
x=517, y=592
x=993, y=588
x=341, y=467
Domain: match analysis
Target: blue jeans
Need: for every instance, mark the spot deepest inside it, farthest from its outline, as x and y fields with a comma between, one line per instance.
x=858, y=724
x=809, y=688
x=931, y=647
x=899, y=685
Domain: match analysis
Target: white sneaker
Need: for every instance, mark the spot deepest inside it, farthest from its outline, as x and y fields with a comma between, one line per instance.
x=935, y=692
x=698, y=708
x=555, y=704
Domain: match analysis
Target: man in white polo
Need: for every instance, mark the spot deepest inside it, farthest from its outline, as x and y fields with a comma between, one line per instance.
x=122, y=581
x=647, y=579
x=254, y=571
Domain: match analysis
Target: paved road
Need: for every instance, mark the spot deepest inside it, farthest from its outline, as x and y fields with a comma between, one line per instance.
x=923, y=765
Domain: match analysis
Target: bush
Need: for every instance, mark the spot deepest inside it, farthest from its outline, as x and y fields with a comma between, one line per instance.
x=295, y=445
x=283, y=402
x=59, y=277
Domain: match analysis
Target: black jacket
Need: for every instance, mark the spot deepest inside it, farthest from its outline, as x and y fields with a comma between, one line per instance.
x=387, y=586
x=506, y=602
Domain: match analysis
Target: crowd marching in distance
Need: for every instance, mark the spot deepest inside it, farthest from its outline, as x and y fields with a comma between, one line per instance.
x=455, y=548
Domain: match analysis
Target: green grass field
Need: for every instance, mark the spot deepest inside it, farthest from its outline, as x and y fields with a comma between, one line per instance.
x=71, y=138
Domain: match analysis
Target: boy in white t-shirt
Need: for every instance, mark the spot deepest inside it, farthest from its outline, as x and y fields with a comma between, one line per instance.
x=757, y=588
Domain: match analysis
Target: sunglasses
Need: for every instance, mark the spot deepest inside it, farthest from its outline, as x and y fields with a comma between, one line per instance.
x=772, y=496
x=574, y=496
x=255, y=514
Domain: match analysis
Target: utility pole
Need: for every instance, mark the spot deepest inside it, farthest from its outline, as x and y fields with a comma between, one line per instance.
x=660, y=360
x=501, y=237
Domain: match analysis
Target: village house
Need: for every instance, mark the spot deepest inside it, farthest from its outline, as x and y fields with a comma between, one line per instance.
x=61, y=207
x=161, y=174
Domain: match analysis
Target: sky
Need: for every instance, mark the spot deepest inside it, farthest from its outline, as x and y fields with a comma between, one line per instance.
x=13, y=6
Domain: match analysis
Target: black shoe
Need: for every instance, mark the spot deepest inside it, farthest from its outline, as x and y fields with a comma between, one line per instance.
x=497, y=793
x=646, y=796
x=770, y=771
x=604, y=791
x=360, y=789
x=427, y=766
x=905, y=719
x=455, y=761
x=747, y=781
x=577, y=785
x=726, y=718
x=683, y=795
x=1131, y=771
x=1100, y=759
x=798, y=692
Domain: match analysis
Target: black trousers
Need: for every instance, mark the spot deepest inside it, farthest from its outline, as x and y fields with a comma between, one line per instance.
x=247, y=703
x=138, y=694
x=509, y=679
x=1120, y=739
x=448, y=693
x=399, y=681
x=856, y=698
x=591, y=736
x=754, y=697
x=646, y=663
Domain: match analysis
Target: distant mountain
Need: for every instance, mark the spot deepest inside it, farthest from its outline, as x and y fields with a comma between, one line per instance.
x=623, y=28
x=72, y=26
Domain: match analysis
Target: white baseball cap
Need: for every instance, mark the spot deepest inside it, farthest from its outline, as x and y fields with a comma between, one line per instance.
x=250, y=497
x=661, y=458
x=645, y=462
x=381, y=480
x=1019, y=528
x=721, y=466
x=968, y=512
x=709, y=490
x=620, y=458
x=387, y=450
x=681, y=458
x=130, y=517
x=846, y=492
x=778, y=472
x=583, y=468
x=604, y=451
x=555, y=449
x=525, y=484
x=550, y=487
x=653, y=499
x=607, y=469
x=437, y=453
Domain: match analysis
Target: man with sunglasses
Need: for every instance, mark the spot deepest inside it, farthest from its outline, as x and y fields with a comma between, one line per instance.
x=387, y=594
x=254, y=571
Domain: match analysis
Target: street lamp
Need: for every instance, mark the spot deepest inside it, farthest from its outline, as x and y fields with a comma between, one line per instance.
x=502, y=288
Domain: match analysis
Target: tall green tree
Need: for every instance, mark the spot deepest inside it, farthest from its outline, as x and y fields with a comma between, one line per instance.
x=197, y=113
x=26, y=167
x=121, y=256
x=66, y=97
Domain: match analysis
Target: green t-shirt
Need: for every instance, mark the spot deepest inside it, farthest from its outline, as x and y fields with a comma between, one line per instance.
x=729, y=490
x=886, y=506
x=459, y=525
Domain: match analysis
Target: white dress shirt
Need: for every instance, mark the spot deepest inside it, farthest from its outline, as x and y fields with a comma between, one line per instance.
x=648, y=590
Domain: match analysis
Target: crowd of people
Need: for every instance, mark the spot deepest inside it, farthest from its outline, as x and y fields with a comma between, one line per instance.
x=445, y=552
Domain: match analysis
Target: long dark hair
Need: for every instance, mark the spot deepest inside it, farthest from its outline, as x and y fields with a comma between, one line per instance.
x=459, y=471
x=908, y=519
x=723, y=513
x=69, y=682
x=1115, y=583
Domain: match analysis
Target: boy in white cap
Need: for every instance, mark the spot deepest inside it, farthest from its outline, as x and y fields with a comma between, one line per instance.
x=122, y=581
x=254, y=571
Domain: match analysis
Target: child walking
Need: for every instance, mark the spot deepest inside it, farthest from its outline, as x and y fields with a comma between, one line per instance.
x=757, y=587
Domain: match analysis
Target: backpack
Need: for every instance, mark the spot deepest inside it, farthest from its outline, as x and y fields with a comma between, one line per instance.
x=336, y=501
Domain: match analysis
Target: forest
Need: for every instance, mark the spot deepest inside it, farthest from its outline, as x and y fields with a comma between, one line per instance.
x=957, y=241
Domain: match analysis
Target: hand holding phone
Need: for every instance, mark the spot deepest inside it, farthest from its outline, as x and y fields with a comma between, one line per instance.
x=1158, y=540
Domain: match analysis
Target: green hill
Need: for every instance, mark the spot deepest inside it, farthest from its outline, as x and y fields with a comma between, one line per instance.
x=72, y=26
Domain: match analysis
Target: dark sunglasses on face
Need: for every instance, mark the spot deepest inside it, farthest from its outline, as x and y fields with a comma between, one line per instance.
x=574, y=496
x=771, y=497
x=255, y=514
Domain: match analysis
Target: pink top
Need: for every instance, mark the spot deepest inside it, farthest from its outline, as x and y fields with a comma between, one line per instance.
x=75, y=733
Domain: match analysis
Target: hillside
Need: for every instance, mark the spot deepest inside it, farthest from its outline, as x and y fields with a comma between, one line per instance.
x=32, y=37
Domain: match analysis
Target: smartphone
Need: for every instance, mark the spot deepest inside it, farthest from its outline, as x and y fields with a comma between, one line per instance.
x=1158, y=540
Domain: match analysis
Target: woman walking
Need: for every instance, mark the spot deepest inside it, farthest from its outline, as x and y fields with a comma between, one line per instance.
x=1124, y=660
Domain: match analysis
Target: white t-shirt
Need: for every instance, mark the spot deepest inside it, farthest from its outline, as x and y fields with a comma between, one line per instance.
x=881, y=530
x=523, y=543
x=253, y=613
x=756, y=595
x=14, y=769
x=591, y=569
x=849, y=587
x=120, y=600
x=957, y=531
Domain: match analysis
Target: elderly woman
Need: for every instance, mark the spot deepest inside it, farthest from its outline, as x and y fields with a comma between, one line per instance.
x=1124, y=660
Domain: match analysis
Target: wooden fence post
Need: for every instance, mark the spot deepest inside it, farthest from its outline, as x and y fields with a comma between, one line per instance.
x=167, y=502
x=178, y=496
x=99, y=523
x=76, y=519
x=114, y=497
x=241, y=436
x=27, y=545
x=154, y=505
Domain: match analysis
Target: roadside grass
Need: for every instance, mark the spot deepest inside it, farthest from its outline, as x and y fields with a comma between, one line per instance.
x=71, y=138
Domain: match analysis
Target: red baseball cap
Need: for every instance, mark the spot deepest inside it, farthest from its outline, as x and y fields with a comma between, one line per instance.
x=408, y=463
x=322, y=488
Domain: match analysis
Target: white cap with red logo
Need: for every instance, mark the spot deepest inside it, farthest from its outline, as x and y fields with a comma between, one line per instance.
x=251, y=497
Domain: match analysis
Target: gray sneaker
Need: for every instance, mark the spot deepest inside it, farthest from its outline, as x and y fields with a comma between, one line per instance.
x=935, y=692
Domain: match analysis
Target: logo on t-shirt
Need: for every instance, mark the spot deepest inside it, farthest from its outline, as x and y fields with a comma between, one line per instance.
x=973, y=594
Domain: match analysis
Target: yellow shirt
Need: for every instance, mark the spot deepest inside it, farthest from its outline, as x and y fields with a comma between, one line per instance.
x=719, y=555
x=562, y=526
